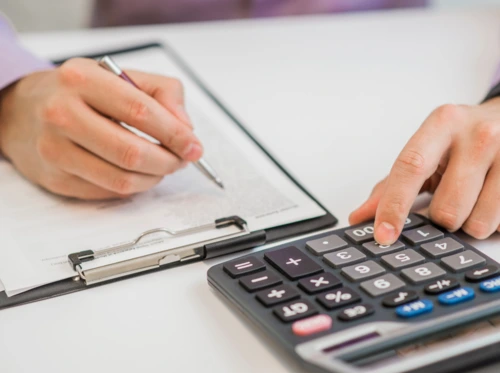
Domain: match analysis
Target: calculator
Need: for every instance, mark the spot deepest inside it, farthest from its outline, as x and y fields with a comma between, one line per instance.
x=340, y=302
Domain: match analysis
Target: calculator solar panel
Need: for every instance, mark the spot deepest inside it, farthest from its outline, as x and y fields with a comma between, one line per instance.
x=343, y=280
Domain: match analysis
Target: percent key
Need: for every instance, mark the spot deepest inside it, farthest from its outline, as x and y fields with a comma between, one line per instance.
x=338, y=298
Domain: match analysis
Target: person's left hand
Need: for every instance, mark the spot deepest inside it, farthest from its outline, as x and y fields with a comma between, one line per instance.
x=455, y=155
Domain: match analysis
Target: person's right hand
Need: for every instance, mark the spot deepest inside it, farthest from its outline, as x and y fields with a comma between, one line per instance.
x=55, y=128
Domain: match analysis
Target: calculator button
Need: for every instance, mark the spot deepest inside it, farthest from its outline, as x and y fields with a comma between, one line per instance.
x=356, y=312
x=344, y=257
x=440, y=286
x=326, y=244
x=338, y=298
x=382, y=285
x=416, y=308
x=376, y=249
x=244, y=266
x=363, y=270
x=293, y=262
x=361, y=234
x=277, y=295
x=413, y=221
x=402, y=297
x=481, y=273
x=422, y=234
x=295, y=310
x=490, y=286
x=260, y=280
x=312, y=325
x=318, y=283
x=438, y=249
x=423, y=273
x=403, y=259
x=462, y=261
x=456, y=296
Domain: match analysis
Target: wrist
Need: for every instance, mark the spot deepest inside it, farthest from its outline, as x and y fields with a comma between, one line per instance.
x=4, y=108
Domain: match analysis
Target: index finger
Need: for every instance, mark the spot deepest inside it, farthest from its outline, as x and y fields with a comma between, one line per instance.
x=417, y=162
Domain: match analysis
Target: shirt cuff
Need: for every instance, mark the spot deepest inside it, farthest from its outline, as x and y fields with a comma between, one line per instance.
x=495, y=87
x=17, y=62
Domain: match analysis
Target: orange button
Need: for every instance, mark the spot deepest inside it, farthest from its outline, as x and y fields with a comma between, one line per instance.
x=311, y=325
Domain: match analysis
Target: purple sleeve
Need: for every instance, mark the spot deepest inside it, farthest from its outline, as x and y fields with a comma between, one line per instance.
x=496, y=77
x=15, y=61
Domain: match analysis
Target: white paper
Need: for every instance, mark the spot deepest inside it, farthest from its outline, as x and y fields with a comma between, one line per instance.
x=39, y=229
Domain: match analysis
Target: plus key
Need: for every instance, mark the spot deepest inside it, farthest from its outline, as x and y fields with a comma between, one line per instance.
x=292, y=262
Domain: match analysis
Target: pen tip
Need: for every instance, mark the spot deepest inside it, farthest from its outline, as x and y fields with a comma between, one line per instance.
x=220, y=184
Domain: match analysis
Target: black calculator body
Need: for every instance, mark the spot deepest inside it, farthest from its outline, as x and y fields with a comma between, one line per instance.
x=339, y=302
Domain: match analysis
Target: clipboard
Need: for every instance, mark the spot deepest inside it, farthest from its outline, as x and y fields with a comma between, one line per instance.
x=242, y=239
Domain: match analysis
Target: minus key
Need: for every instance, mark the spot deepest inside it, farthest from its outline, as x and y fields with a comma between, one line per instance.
x=260, y=280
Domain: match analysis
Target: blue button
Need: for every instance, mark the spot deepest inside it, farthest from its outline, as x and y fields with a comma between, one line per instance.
x=490, y=286
x=456, y=296
x=415, y=308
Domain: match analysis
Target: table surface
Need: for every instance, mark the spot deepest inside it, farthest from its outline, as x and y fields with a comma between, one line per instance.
x=333, y=97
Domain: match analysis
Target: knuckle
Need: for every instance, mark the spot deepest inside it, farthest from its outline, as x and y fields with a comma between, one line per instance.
x=448, y=113
x=478, y=228
x=72, y=72
x=54, y=113
x=138, y=112
x=132, y=157
x=124, y=184
x=394, y=209
x=47, y=150
x=487, y=132
x=411, y=161
x=446, y=216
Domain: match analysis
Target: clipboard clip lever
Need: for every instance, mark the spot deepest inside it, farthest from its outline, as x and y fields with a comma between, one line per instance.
x=155, y=260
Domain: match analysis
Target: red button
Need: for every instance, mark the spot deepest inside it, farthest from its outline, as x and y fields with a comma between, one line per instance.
x=312, y=325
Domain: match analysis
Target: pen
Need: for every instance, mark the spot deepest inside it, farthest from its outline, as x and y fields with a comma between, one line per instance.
x=202, y=165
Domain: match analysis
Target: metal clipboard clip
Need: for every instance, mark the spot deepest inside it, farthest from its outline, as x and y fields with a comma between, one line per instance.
x=193, y=251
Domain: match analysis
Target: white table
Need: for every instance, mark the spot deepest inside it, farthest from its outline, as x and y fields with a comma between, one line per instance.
x=333, y=97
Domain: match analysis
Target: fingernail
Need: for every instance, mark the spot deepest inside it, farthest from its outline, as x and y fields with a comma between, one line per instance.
x=183, y=115
x=386, y=233
x=192, y=152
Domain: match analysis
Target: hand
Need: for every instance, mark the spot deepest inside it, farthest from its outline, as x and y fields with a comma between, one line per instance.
x=455, y=155
x=55, y=128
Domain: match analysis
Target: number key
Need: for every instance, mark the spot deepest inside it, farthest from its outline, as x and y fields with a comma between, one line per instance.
x=376, y=249
x=422, y=234
x=423, y=273
x=403, y=259
x=412, y=221
x=364, y=270
x=438, y=249
x=344, y=257
x=463, y=261
x=361, y=234
x=382, y=285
